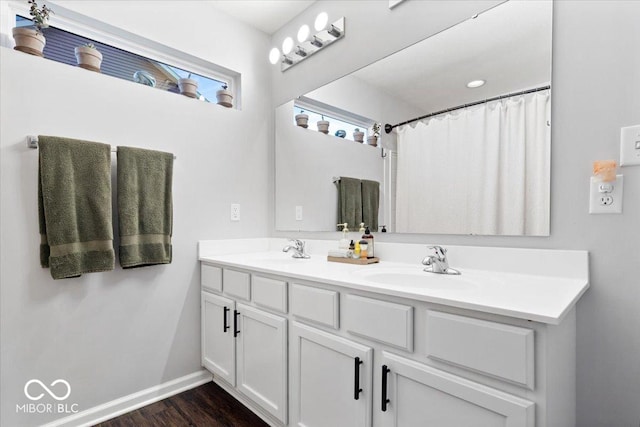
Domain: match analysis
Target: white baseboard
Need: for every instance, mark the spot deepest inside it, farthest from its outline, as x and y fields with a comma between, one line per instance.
x=125, y=404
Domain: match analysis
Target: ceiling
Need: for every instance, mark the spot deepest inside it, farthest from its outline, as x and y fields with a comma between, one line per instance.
x=267, y=16
x=509, y=46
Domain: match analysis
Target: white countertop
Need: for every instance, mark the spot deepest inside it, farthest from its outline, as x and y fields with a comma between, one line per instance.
x=538, y=297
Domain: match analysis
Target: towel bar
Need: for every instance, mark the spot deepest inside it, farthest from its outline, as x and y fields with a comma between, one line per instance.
x=32, y=142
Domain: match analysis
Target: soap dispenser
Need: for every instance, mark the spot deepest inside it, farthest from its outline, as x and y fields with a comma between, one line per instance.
x=362, y=229
x=368, y=237
x=344, y=242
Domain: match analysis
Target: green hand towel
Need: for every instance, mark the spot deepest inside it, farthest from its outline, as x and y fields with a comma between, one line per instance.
x=74, y=204
x=145, y=207
x=370, y=203
x=349, y=202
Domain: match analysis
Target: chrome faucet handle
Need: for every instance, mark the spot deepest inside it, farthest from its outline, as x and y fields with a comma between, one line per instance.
x=299, y=248
x=438, y=263
x=440, y=252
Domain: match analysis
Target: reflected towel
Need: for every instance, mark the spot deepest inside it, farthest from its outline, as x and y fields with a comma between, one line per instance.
x=349, y=202
x=145, y=207
x=74, y=204
x=370, y=203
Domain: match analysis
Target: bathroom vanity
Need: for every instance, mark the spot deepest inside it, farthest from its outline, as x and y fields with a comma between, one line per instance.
x=306, y=342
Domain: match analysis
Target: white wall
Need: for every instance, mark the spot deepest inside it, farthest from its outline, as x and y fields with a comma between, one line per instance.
x=115, y=333
x=596, y=82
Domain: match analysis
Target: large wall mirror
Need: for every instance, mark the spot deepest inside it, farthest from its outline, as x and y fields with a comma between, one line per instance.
x=476, y=159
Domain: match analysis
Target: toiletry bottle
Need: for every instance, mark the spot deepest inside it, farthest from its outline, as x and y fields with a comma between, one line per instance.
x=363, y=249
x=344, y=242
x=352, y=246
x=362, y=229
x=369, y=238
x=356, y=252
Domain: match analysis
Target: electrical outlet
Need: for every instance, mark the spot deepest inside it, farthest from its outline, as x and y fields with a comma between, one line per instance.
x=235, y=212
x=605, y=197
x=298, y=213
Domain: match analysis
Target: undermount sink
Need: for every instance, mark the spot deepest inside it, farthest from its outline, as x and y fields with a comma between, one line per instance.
x=415, y=278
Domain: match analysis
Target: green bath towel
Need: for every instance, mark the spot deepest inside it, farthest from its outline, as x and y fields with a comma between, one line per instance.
x=370, y=203
x=145, y=207
x=349, y=202
x=74, y=204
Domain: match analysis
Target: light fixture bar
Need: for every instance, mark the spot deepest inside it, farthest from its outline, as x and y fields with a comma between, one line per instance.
x=316, y=43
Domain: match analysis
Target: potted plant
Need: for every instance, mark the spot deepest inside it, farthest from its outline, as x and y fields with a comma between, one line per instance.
x=373, y=139
x=323, y=126
x=358, y=135
x=188, y=86
x=88, y=57
x=302, y=119
x=31, y=40
x=224, y=96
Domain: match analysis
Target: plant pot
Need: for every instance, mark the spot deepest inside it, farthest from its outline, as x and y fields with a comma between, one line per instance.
x=88, y=58
x=188, y=87
x=302, y=120
x=323, y=126
x=358, y=137
x=28, y=40
x=225, y=98
x=372, y=141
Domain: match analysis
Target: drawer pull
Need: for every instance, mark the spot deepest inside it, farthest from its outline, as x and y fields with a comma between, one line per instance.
x=236, y=331
x=385, y=371
x=356, y=378
x=225, y=325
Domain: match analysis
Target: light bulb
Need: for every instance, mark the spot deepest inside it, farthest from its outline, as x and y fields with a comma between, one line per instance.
x=303, y=33
x=475, y=83
x=287, y=45
x=274, y=55
x=321, y=21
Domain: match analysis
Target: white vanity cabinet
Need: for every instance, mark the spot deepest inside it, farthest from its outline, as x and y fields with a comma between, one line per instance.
x=309, y=353
x=413, y=394
x=245, y=346
x=331, y=382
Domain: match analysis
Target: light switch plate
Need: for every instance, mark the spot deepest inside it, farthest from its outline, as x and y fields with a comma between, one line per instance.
x=630, y=146
x=602, y=201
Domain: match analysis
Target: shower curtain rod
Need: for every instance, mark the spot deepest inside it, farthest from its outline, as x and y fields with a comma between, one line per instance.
x=32, y=142
x=388, y=128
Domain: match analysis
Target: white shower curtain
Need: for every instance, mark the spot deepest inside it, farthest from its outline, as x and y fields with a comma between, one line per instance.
x=478, y=170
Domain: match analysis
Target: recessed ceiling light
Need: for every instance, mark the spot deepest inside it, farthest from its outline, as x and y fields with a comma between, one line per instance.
x=475, y=83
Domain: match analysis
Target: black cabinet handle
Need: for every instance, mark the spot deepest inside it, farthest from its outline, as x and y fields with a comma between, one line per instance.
x=235, y=323
x=356, y=378
x=225, y=324
x=385, y=371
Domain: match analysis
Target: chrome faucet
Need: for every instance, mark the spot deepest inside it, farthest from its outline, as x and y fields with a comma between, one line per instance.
x=298, y=247
x=438, y=263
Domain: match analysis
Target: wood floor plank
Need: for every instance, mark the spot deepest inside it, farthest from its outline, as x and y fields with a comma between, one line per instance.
x=204, y=406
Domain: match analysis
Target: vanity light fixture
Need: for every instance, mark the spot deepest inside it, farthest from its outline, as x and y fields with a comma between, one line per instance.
x=274, y=55
x=308, y=43
x=475, y=83
x=287, y=45
x=303, y=33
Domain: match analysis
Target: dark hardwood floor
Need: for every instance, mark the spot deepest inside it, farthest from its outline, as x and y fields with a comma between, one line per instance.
x=204, y=406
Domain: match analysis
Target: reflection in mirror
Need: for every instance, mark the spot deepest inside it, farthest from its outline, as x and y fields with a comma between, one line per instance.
x=468, y=169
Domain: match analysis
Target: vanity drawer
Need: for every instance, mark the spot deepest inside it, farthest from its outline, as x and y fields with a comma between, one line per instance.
x=211, y=278
x=269, y=293
x=315, y=304
x=381, y=321
x=236, y=283
x=502, y=351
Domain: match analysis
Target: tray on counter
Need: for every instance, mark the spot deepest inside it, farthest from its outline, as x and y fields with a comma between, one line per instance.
x=359, y=261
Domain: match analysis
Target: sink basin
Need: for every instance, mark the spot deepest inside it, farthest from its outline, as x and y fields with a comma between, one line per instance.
x=415, y=278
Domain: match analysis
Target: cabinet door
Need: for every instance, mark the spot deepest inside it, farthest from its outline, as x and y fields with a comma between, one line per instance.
x=218, y=346
x=331, y=380
x=419, y=395
x=262, y=359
